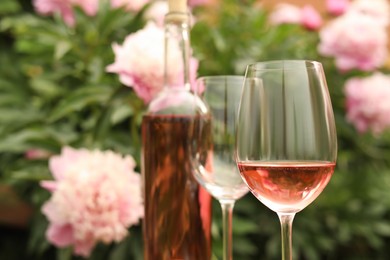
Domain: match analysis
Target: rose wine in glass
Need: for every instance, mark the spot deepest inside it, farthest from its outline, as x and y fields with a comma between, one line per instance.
x=214, y=167
x=286, y=144
x=289, y=186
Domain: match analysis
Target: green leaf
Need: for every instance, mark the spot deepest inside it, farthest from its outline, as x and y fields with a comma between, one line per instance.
x=243, y=226
x=244, y=246
x=96, y=69
x=61, y=48
x=382, y=228
x=46, y=87
x=7, y=100
x=9, y=115
x=121, y=113
x=64, y=253
x=19, y=141
x=79, y=100
x=37, y=243
x=9, y=7
x=29, y=47
x=63, y=133
x=32, y=174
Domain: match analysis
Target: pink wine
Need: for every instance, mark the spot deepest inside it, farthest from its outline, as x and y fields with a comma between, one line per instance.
x=177, y=219
x=286, y=186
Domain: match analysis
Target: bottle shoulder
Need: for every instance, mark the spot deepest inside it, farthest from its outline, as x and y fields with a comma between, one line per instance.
x=177, y=101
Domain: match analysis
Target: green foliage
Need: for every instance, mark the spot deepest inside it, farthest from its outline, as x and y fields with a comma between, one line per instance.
x=349, y=220
x=54, y=91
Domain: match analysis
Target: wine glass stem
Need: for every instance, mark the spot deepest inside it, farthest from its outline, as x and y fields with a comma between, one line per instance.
x=286, y=220
x=227, y=223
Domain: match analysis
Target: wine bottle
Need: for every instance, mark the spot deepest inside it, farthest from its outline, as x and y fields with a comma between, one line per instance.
x=177, y=221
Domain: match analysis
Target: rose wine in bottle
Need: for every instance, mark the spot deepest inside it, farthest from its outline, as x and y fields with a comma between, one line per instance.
x=177, y=211
x=177, y=221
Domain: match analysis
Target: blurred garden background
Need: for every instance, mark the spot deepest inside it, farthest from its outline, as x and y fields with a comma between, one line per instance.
x=76, y=77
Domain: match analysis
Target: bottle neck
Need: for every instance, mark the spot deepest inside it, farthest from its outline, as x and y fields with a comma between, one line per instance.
x=177, y=50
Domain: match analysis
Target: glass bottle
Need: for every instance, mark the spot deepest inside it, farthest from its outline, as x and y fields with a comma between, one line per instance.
x=177, y=221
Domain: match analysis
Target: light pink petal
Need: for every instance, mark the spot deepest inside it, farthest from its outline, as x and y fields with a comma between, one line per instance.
x=68, y=17
x=53, y=213
x=59, y=164
x=311, y=19
x=49, y=185
x=84, y=248
x=337, y=7
x=60, y=235
x=126, y=80
x=285, y=13
x=157, y=11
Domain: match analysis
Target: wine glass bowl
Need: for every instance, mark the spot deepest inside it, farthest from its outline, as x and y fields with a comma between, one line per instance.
x=218, y=171
x=286, y=143
x=215, y=167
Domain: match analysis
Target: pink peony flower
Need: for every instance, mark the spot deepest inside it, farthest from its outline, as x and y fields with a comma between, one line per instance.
x=306, y=16
x=337, y=7
x=96, y=197
x=378, y=10
x=368, y=106
x=157, y=11
x=140, y=62
x=355, y=41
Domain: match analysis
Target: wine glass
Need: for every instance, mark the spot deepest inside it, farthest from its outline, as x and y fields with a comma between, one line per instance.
x=286, y=145
x=214, y=167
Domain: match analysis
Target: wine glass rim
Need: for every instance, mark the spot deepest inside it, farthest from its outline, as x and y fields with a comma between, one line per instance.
x=283, y=64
